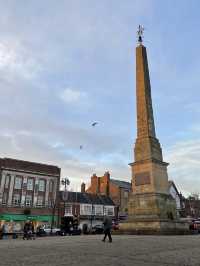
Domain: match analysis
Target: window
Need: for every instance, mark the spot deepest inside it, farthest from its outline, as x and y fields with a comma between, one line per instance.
x=51, y=186
x=18, y=182
x=125, y=194
x=109, y=210
x=40, y=201
x=7, y=181
x=50, y=203
x=16, y=199
x=28, y=201
x=68, y=210
x=85, y=209
x=30, y=184
x=98, y=210
x=5, y=198
x=41, y=185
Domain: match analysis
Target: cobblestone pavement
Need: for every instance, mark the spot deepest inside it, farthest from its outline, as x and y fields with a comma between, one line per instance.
x=90, y=250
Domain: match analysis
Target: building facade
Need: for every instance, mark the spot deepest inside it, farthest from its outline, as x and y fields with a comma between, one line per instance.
x=117, y=190
x=89, y=208
x=173, y=191
x=28, y=191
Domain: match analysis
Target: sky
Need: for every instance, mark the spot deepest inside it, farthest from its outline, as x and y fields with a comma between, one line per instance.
x=65, y=64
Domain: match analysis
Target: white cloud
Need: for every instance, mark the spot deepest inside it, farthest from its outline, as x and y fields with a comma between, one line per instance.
x=72, y=96
x=184, y=168
x=16, y=61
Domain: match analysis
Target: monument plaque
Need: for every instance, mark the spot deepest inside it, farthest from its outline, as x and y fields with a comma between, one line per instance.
x=142, y=179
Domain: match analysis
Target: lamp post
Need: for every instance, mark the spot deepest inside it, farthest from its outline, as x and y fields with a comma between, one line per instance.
x=65, y=182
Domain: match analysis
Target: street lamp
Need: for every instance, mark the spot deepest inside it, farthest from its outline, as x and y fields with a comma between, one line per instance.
x=65, y=182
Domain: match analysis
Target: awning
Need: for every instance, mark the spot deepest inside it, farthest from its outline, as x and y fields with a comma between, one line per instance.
x=22, y=217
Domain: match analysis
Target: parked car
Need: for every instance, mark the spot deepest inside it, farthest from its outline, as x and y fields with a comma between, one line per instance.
x=195, y=225
x=97, y=229
x=47, y=230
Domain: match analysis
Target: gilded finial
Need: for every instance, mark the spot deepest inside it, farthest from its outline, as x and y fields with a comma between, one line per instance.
x=140, y=34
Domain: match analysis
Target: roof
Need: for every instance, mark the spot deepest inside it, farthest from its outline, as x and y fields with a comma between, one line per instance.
x=121, y=184
x=86, y=198
x=171, y=183
x=31, y=167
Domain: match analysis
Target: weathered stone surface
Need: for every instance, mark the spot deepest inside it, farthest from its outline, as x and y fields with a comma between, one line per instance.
x=90, y=250
x=150, y=197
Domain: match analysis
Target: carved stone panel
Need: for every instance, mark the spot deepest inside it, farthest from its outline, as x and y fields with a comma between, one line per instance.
x=142, y=179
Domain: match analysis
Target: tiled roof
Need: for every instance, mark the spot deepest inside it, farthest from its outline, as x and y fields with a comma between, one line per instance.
x=122, y=184
x=25, y=166
x=89, y=198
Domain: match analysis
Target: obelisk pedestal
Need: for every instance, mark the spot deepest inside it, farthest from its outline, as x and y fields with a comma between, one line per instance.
x=151, y=208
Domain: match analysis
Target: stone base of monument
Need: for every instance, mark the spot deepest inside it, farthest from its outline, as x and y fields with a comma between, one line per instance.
x=153, y=227
x=152, y=213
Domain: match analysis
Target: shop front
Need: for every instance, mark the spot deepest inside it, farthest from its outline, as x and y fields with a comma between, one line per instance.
x=14, y=223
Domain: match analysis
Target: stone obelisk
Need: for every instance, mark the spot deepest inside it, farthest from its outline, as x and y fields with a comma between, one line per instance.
x=151, y=208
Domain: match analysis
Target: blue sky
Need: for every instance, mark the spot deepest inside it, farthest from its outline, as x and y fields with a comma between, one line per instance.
x=65, y=64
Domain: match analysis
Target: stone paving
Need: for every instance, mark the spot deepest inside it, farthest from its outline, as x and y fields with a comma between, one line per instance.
x=90, y=250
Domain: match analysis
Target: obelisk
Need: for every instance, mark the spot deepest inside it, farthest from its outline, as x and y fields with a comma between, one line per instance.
x=151, y=208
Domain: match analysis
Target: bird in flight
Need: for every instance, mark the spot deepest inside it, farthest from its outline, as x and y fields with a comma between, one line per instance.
x=94, y=124
x=81, y=147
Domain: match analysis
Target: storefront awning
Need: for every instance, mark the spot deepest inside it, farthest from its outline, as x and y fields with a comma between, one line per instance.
x=22, y=217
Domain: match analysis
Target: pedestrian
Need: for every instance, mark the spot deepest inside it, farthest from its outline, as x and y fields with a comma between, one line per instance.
x=5, y=231
x=26, y=230
x=107, y=228
x=32, y=230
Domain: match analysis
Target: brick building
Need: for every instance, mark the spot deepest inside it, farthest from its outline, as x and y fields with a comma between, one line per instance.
x=190, y=207
x=117, y=190
x=28, y=191
x=90, y=208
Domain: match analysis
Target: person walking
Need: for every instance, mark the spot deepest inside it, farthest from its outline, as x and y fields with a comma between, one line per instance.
x=107, y=228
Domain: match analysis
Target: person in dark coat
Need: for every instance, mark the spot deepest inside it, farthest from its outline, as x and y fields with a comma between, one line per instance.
x=27, y=228
x=107, y=228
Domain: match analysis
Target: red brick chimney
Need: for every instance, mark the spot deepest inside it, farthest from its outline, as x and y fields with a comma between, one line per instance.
x=107, y=183
x=95, y=184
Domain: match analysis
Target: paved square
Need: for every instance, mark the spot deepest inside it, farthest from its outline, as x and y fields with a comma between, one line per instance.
x=90, y=250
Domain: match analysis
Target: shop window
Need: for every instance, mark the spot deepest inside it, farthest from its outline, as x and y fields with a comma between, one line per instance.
x=28, y=201
x=30, y=184
x=16, y=199
x=18, y=182
x=41, y=185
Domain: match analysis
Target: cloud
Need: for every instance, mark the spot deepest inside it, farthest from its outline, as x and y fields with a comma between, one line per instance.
x=72, y=96
x=184, y=168
x=17, y=62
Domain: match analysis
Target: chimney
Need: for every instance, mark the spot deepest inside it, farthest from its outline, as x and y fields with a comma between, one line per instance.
x=95, y=184
x=107, y=182
x=83, y=188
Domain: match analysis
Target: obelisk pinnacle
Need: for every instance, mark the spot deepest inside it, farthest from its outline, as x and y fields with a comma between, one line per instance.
x=147, y=146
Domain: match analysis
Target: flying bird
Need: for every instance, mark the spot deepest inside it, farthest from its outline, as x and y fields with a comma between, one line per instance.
x=81, y=147
x=94, y=124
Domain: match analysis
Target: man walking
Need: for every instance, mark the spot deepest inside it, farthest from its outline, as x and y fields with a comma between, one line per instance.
x=107, y=228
